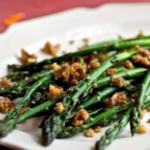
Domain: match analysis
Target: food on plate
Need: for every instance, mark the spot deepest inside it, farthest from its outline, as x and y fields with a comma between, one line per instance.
x=81, y=91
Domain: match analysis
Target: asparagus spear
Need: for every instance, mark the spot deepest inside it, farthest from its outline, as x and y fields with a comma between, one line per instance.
x=136, y=113
x=5, y=124
x=71, y=131
x=108, y=121
x=71, y=100
x=89, y=50
x=18, y=75
x=128, y=73
x=112, y=133
x=21, y=87
x=100, y=95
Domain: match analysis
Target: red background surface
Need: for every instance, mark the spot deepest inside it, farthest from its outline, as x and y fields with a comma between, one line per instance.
x=37, y=8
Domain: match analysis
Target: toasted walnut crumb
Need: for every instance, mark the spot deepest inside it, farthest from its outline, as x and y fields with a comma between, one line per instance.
x=90, y=91
x=94, y=64
x=142, y=129
x=112, y=71
x=5, y=81
x=97, y=129
x=55, y=91
x=27, y=58
x=118, y=81
x=13, y=106
x=24, y=109
x=133, y=100
x=117, y=98
x=143, y=113
x=69, y=73
x=77, y=122
x=71, y=42
x=141, y=34
x=126, y=84
x=81, y=114
x=59, y=107
x=148, y=121
x=89, y=133
x=80, y=117
x=128, y=64
x=26, y=78
x=102, y=57
x=143, y=60
x=82, y=48
x=5, y=105
x=50, y=49
x=134, y=95
x=86, y=41
x=95, y=85
x=148, y=109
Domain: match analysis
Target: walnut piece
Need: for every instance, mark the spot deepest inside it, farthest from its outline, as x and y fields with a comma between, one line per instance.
x=80, y=117
x=59, y=107
x=94, y=64
x=117, y=81
x=142, y=129
x=89, y=133
x=111, y=71
x=97, y=129
x=4, y=82
x=27, y=58
x=5, y=105
x=128, y=64
x=117, y=98
x=50, y=49
x=55, y=91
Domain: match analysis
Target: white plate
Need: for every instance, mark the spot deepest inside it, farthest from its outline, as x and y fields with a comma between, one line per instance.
x=105, y=22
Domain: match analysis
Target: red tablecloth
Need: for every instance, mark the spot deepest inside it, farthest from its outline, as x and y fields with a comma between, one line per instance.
x=36, y=8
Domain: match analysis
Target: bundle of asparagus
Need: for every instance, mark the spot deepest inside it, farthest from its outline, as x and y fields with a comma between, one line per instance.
x=79, y=90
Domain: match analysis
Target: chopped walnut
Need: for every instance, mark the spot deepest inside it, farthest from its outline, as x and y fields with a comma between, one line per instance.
x=112, y=71
x=141, y=34
x=89, y=133
x=142, y=129
x=126, y=84
x=128, y=64
x=102, y=57
x=97, y=129
x=148, y=109
x=86, y=41
x=95, y=85
x=71, y=42
x=50, y=49
x=117, y=98
x=143, y=113
x=13, y=106
x=5, y=81
x=94, y=64
x=27, y=58
x=55, y=91
x=80, y=117
x=143, y=60
x=143, y=51
x=134, y=95
x=69, y=73
x=148, y=121
x=59, y=107
x=77, y=122
x=5, y=105
x=117, y=81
